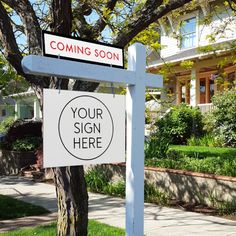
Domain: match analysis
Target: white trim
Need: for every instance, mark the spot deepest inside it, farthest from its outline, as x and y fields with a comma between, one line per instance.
x=23, y=94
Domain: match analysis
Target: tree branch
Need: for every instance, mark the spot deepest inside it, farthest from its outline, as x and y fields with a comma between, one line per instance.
x=7, y=38
x=62, y=16
x=32, y=28
x=82, y=27
x=151, y=12
x=10, y=48
x=230, y=2
x=101, y=23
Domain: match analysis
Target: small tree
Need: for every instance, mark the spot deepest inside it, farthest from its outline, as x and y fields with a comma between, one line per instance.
x=225, y=117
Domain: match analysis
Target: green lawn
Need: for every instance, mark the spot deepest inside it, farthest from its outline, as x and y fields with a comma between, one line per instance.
x=11, y=208
x=94, y=229
x=201, y=151
x=219, y=161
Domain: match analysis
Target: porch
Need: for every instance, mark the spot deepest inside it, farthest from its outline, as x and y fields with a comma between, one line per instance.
x=199, y=86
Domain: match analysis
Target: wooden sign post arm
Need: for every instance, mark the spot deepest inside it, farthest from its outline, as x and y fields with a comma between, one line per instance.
x=46, y=66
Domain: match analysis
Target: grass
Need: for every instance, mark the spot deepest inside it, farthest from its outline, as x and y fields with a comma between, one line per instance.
x=201, y=151
x=94, y=228
x=11, y=208
x=211, y=160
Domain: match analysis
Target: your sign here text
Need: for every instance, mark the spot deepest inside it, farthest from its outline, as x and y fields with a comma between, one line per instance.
x=85, y=127
x=83, y=130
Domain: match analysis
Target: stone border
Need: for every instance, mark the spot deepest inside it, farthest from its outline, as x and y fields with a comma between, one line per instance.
x=190, y=173
x=186, y=172
x=182, y=185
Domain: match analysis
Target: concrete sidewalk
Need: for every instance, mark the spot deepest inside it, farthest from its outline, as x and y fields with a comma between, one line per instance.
x=159, y=221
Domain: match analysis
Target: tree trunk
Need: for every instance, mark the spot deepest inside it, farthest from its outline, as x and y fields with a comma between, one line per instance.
x=72, y=199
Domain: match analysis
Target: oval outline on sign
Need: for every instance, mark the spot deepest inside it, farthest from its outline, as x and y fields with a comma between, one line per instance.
x=87, y=159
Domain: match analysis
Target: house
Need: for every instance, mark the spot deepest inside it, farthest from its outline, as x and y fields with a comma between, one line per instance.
x=23, y=105
x=197, y=53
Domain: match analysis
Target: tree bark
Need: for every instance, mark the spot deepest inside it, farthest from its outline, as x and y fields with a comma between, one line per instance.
x=72, y=199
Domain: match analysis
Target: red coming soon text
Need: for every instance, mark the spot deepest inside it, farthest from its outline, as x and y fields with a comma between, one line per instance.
x=84, y=50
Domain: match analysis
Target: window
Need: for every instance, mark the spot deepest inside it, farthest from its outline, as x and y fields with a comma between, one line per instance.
x=188, y=33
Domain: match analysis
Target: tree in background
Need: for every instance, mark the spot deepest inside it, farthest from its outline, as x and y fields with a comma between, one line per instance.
x=10, y=81
x=22, y=21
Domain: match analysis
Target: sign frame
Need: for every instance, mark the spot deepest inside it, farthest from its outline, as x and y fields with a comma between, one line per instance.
x=44, y=32
x=78, y=118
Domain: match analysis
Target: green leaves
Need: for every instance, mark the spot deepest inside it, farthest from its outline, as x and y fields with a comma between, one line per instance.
x=225, y=116
x=181, y=122
x=150, y=37
x=10, y=82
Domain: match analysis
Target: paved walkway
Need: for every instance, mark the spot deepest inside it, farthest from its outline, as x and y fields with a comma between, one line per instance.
x=159, y=221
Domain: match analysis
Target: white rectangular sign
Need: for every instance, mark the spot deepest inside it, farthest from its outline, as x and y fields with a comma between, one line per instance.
x=72, y=48
x=83, y=128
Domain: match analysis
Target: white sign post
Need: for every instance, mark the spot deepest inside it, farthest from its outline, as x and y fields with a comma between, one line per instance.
x=137, y=80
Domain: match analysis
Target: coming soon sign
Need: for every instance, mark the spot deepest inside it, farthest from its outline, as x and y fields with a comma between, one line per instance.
x=77, y=49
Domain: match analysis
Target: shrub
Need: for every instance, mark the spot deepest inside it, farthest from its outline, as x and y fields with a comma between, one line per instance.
x=157, y=146
x=208, y=140
x=181, y=123
x=6, y=124
x=96, y=179
x=225, y=117
x=26, y=144
x=115, y=189
x=148, y=117
x=21, y=129
x=23, y=136
x=208, y=122
x=154, y=195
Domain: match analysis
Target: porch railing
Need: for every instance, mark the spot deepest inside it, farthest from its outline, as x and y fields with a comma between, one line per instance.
x=206, y=107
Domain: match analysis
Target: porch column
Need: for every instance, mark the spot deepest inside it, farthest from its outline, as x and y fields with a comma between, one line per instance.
x=187, y=91
x=36, y=109
x=193, y=88
x=17, y=110
x=207, y=90
x=178, y=92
